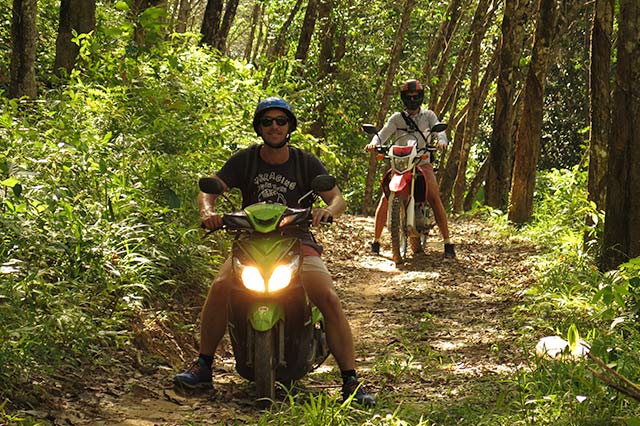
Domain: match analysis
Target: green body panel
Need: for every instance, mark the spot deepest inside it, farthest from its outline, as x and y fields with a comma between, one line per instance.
x=316, y=315
x=266, y=250
x=265, y=217
x=265, y=315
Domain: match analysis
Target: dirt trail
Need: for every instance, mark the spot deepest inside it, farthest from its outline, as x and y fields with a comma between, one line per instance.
x=458, y=311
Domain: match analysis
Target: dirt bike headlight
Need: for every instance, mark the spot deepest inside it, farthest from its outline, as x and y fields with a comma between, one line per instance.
x=281, y=276
x=401, y=163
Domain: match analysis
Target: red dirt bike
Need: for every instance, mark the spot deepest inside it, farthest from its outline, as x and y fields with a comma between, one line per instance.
x=409, y=219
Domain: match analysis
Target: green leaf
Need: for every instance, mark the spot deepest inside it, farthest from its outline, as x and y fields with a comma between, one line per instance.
x=122, y=6
x=172, y=198
x=573, y=337
x=632, y=421
x=10, y=182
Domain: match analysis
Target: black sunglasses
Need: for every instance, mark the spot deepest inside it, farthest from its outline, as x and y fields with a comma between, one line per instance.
x=280, y=121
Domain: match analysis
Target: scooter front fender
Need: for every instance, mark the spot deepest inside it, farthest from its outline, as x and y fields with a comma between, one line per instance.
x=265, y=315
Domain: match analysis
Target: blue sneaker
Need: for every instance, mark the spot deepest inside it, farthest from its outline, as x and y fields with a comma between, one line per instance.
x=360, y=395
x=195, y=377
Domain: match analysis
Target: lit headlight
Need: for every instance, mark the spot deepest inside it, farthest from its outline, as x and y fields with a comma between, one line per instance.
x=254, y=281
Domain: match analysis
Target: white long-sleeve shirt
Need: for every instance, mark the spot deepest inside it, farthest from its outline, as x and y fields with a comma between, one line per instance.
x=396, y=126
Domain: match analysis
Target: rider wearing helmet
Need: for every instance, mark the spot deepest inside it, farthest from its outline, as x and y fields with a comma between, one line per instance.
x=274, y=179
x=417, y=120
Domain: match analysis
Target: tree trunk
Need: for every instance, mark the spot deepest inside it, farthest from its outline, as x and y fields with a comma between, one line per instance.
x=184, y=11
x=23, y=51
x=529, y=130
x=225, y=26
x=501, y=150
x=277, y=48
x=622, y=215
x=448, y=175
x=255, y=22
x=211, y=22
x=475, y=185
x=306, y=33
x=325, y=61
x=478, y=29
x=75, y=15
x=478, y=97
x=441, y=47
x=387, y=92
x=600, y=89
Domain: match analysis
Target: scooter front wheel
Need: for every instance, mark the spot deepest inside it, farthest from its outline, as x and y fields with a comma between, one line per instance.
x=264, y=366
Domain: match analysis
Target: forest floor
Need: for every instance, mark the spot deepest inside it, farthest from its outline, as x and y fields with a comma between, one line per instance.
x=454, y=316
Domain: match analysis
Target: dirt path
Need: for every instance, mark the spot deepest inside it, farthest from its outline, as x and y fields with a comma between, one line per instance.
x=430, y=328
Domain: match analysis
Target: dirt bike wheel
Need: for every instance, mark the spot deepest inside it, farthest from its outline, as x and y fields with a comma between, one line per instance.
x=263, y=366
x=398, y=229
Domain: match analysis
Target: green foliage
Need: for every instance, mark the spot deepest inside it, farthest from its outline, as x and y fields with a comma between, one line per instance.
x=571, y=294
x=97, y=200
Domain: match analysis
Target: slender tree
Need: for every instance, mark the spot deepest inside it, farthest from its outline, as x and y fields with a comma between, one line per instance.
x=255, y=21
x=277, y=48
x=501, y=149
x=529, y=130
x=440, y=48
x=600, y=100
x=477, y=99
x=622, y=214
x=23, y=51
x=326, y=62
x=225, y=26
x=77, y=16
x=308, y=26
x=183, y=13
x=388, y=91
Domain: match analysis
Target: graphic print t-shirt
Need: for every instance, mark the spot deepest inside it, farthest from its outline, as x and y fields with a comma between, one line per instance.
x=271, y=183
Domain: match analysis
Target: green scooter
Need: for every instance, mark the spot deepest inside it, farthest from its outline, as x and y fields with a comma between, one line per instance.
x=276, y=332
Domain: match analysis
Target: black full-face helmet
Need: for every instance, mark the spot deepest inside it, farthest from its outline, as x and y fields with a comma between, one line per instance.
x=274, y=102
x=414, y=101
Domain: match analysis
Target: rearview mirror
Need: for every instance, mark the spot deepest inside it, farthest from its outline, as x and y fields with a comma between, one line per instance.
x=370, y=128
x=211, y=185
x=440, y=127
x=323, y=183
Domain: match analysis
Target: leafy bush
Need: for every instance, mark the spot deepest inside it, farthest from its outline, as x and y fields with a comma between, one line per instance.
x=97, y=203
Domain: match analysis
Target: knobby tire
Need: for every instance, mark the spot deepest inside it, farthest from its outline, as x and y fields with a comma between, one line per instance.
x=398, y=229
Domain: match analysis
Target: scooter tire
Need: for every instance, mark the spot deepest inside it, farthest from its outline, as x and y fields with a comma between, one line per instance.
x=264, y=366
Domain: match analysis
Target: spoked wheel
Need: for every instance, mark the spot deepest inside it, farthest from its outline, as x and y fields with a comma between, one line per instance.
x=263, y=366
x=398, y=229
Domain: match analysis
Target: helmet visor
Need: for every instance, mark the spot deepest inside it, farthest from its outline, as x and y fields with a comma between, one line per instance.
x=412, y=101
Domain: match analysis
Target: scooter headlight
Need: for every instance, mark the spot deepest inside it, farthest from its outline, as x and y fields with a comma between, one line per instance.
x=280, y=278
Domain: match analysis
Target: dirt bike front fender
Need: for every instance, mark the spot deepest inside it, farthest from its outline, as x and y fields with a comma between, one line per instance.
x=399, y=182
x=264, y=316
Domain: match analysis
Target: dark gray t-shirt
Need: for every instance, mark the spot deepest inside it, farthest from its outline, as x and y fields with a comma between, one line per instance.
x=272, y=183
